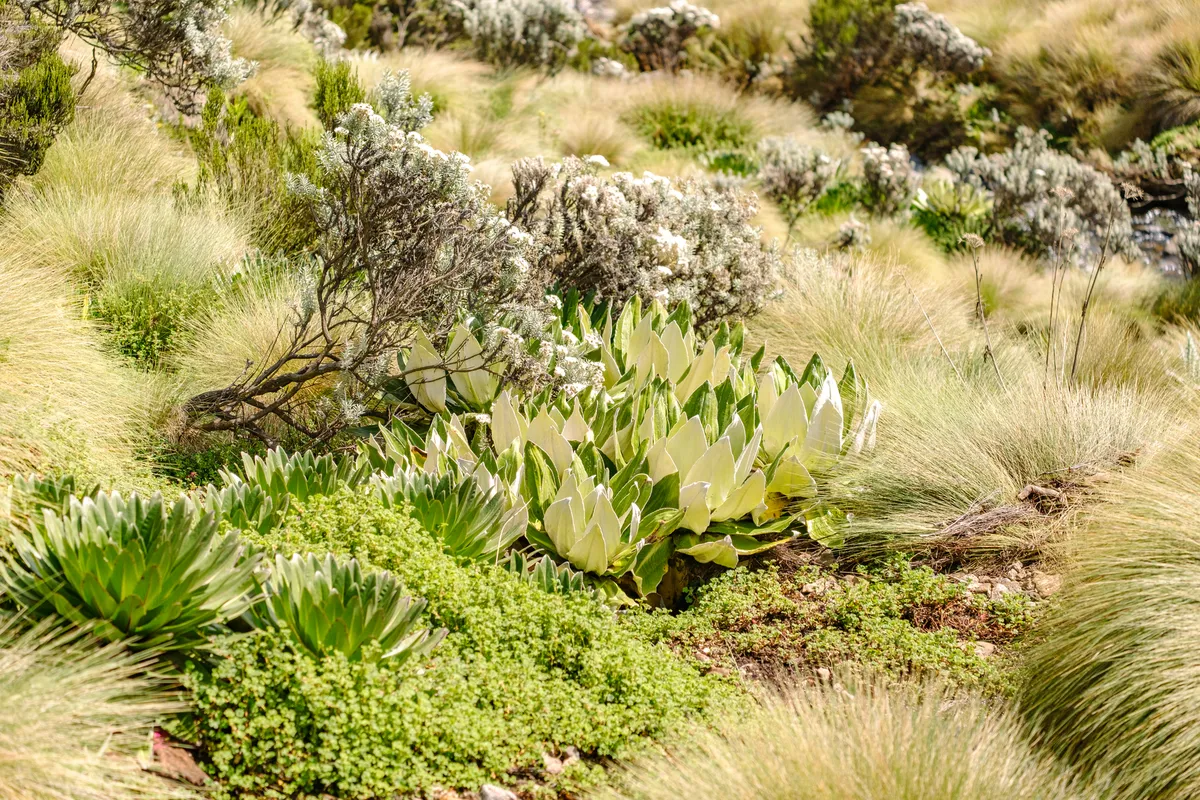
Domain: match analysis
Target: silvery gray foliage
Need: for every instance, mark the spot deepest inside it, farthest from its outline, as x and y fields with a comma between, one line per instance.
x=1187, y=239
x=890, y=181
x=932, y=40
x=657, y=37
x=794, y=175
x=534, y=33
x=649, y=236
x=176, y=43
x=407, y=240
x=394, y=101
x=1187, y=243
x=1030, y=184
x=1191, y=185
x=314, y=24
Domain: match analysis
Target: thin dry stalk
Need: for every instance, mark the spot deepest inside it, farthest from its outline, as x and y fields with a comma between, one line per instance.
x=1130, y=193
x=1056, y=280
x=975, y=242
x=929, y=322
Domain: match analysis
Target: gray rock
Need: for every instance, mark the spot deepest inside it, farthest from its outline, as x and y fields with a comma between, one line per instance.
x=824, y=675
x=491, y=792
x=1046, y=584
x=998, y=591
x=552, y=765
x=984, y=649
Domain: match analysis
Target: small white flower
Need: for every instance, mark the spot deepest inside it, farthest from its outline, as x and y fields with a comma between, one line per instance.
x=596, y=160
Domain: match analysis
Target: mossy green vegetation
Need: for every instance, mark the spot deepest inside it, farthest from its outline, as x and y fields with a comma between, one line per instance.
x=893, y=618
x=521, y=672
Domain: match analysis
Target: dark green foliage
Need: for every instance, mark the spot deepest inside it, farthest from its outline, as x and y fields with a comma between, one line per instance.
x=1179, y=302
x=842, y=196
x=245, y=160
x=670, y=127
x=848, y=43
x=336, y=91
x=733, y=162
x=36, y=98
x=894, y=618
x=520, y=672
x=144, y=315
x=196, y=464
x=355, y=20
x=141, y=570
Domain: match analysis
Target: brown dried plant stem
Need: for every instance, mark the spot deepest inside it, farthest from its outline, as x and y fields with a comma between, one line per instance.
x=989, y=354
x=1087, y=298
x=1058, y=275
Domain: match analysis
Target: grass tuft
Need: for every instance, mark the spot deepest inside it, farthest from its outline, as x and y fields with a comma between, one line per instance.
x=72, y=717
x=1116, y=682
x=857, y=741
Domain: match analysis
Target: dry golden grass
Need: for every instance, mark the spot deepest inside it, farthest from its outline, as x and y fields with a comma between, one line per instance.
x=955, y=441
x=250, y=325
x=281, y=88
x=1079, y=59
x=852, y=743
x=65, y=405
x=1114, y=683
x=456, y=84
x=75, y=719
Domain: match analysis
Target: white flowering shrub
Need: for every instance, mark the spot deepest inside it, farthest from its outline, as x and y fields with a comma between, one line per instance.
x=889, y=180
x=794, y=175
x=657, y=37
x=932, y=41
x=623, y=236
x=407, y=242
x=176, y=43
x=512, y=33
x=1039, y=195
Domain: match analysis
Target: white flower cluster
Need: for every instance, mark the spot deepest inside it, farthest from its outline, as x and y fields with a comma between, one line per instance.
x=794, y=175
x=201, y=43
x=535, y=33
x=889, y=179
x=932, y=40
x=657, y=37
x=1039, y=192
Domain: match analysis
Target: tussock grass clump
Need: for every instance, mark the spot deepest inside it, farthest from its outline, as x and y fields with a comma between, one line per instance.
x=864, y=741
x=1115, y=686
x=956, y=446
x=65, y=406
x=72, y=716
